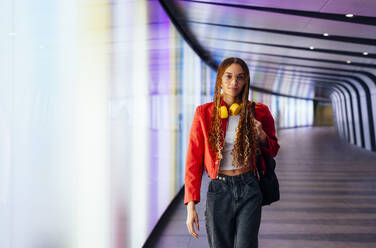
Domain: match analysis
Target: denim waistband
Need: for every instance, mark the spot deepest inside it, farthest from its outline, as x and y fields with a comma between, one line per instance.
x=240, y=177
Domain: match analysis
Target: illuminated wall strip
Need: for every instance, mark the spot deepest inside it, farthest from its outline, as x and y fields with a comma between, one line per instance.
x=175, y=139
x=139, y=134
x=92, y=130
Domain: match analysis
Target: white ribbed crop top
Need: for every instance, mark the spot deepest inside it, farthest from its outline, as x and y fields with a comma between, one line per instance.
x=232, y=124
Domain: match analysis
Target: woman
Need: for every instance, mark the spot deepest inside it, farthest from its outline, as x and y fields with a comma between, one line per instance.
x=225, y=138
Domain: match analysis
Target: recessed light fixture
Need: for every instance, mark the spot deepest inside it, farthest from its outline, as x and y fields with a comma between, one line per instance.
x=365, y=53
x=311, y=47
x=326, y=34
x=348, y=62
x=349, y=15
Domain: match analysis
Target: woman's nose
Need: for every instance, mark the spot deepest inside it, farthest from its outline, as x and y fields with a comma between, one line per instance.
x=234, y=81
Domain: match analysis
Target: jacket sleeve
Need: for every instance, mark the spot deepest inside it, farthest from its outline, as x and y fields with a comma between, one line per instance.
x=194, y=163
x=271, y=146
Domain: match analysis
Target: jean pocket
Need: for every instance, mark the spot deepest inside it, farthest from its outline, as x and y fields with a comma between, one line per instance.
x=215, y=187
x=253, y=186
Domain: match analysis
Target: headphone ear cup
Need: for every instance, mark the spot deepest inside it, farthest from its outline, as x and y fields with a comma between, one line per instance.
x=235, y=109
x=223, y=113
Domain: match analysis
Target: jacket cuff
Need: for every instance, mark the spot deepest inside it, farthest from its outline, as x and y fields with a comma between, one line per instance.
x=191, y=197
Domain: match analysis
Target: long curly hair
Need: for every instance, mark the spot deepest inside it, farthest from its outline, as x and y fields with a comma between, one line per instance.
x=246, y=146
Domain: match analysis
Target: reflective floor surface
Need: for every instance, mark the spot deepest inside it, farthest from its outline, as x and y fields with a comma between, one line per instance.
x=328, y=196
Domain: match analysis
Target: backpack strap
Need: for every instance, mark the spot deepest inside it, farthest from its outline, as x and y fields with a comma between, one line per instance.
x=258, y=165
x=253, y=108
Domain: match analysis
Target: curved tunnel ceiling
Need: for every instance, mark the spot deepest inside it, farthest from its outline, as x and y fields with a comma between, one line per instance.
x=287, y=38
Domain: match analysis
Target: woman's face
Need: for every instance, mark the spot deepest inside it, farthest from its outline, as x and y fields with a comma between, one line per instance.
x=233, y=80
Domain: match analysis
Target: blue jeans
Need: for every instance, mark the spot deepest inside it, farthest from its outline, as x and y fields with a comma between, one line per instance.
x=233, y=211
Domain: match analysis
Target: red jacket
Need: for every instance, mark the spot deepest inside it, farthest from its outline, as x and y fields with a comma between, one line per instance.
x=199, y=155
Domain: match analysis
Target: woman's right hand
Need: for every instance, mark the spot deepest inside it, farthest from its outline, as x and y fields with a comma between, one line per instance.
x=191, y=218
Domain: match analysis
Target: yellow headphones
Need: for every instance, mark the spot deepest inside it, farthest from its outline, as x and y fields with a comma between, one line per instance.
x=234, y=110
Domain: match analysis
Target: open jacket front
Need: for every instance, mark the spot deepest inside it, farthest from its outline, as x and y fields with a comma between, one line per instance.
x=199, y=155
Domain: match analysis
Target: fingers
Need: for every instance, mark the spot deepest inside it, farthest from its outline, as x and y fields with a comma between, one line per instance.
x=257, y=124
x=192, y=230
x=190, y=221
x=258, y=128
x=197, y=226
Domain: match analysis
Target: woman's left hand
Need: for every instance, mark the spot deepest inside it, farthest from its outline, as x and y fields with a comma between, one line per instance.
x=260, y=133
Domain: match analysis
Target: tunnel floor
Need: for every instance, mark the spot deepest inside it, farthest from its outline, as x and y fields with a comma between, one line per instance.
x=328, y=196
